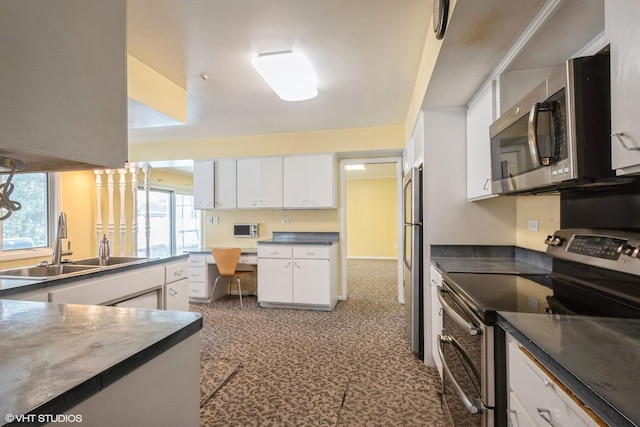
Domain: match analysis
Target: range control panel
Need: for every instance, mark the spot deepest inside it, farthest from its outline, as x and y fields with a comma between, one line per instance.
x=596, y=246
x=612, y=249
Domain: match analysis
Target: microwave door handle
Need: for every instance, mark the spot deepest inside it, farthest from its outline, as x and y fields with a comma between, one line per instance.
x=533, y=135
x=467, y=326
x=472, y=407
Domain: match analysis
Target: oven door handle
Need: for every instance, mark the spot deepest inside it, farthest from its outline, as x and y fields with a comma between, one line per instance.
x=461, y=321
x=472, y=407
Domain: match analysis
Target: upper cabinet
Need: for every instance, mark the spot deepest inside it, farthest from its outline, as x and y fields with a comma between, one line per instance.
x=63, y=83
x=259, y=182
x=309, y=182
x=224, y=184
x=203, y=184
x=480, y=115
x=623, y=33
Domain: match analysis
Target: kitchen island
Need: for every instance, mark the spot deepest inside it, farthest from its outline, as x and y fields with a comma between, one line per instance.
x=107, y=365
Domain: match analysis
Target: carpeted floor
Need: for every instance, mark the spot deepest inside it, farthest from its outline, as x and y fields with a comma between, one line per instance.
x=348, y=367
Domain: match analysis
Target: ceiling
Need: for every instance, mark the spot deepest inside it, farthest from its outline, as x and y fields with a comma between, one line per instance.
x=365, y=54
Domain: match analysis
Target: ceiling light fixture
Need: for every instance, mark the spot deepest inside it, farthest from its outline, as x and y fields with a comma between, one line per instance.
x=289, y=74
x=354, y=167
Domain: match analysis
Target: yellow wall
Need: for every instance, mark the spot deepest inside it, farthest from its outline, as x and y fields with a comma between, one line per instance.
x=388, y=138
x=545, y=209
x=372, y=218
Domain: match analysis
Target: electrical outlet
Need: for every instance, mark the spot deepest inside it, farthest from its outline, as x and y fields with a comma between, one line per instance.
x=533, y=225
x=210, y=220
x=285, y=220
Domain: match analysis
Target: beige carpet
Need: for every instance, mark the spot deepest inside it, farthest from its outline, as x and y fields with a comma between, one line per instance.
x=348, y=367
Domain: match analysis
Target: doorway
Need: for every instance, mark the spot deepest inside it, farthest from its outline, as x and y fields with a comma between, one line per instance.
x=371, y=217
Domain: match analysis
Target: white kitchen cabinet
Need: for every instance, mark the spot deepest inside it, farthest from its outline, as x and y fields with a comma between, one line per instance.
x=203, y=184
x=535, y=395
x=162, y=392
x=64, y=84
x=112, y=288
x=224, y=184
x=309, y=181
x=149, y=300
x=435, y=278
x=176, y=288
x=623, y=33
x=298, y=276
x=198, y=276
x=259, y=182
x=480, y=115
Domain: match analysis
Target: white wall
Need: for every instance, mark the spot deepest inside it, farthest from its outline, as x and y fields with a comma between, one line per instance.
x=449, y=218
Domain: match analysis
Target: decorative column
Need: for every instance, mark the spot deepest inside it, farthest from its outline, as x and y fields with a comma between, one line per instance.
x=147, y=222
x=134, y=202
x=123, y=218
x=110, y=188
x=98, y=204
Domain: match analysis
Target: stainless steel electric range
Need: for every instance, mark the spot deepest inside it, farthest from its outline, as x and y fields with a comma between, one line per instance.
x=595, y=273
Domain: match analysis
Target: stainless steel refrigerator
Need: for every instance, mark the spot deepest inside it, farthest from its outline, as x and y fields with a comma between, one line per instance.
x=413, y=260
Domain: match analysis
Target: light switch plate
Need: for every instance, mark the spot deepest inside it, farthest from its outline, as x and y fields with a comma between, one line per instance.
x=533, y=225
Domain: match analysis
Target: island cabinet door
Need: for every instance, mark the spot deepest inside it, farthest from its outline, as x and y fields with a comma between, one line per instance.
x=275, y=280
x=311, y=281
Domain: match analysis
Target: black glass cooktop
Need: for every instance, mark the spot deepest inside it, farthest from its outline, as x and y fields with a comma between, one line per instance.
x=486, y=294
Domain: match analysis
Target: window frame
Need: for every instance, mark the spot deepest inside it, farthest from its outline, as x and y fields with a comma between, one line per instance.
x=173, y=191
x=44, y=251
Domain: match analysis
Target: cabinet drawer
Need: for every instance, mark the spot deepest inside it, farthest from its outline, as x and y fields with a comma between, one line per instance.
x=197, y=260
x=176, y=271
x=197, y=274
x=248, y=259
x=311, y=252
x=542, y=395
x=274, y=251
x=197, y=289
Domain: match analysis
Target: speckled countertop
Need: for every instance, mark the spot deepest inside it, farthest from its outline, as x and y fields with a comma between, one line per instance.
x=597, y=358
x=53, y=356
x=302, y=238
x=486, y=265
x=12, y=286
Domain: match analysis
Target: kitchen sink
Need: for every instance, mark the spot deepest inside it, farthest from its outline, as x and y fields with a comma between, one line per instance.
x=113, y=260
x=44, y=271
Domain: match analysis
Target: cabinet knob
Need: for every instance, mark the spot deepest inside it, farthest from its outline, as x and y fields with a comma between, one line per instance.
x=173, y=292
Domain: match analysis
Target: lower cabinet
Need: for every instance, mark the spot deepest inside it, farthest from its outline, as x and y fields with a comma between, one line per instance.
x=162, y=392
x=537, y=398
x=303, y=276
x=176, y=288
x=436, y=315
x=149, y=300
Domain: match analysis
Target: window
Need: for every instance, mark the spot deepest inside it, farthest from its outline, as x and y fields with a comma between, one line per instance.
x=173, y=222
x=28, y=227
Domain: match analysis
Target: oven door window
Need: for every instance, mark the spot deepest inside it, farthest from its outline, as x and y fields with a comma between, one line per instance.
x=462, y=353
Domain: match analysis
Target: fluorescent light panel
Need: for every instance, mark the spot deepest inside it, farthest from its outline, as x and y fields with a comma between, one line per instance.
x=289, y=74
x=354, y=167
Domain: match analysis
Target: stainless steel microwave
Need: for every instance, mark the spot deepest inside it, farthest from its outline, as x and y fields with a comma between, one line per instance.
x=245, y=230
x=558, y=135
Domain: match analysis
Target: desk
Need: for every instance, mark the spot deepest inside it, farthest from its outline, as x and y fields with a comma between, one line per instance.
x=203, y=273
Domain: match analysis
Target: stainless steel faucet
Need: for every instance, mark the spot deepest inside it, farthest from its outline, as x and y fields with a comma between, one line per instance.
x=58, y=253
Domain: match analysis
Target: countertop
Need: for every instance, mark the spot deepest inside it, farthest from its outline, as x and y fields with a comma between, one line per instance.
x=597, y=358
x=18, y=285
x=301, y=238
x=486, y=265
x=53, y=356
x=207, y=251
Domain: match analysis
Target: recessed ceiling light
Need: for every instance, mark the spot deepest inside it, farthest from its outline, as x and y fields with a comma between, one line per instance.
x=289, y=74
